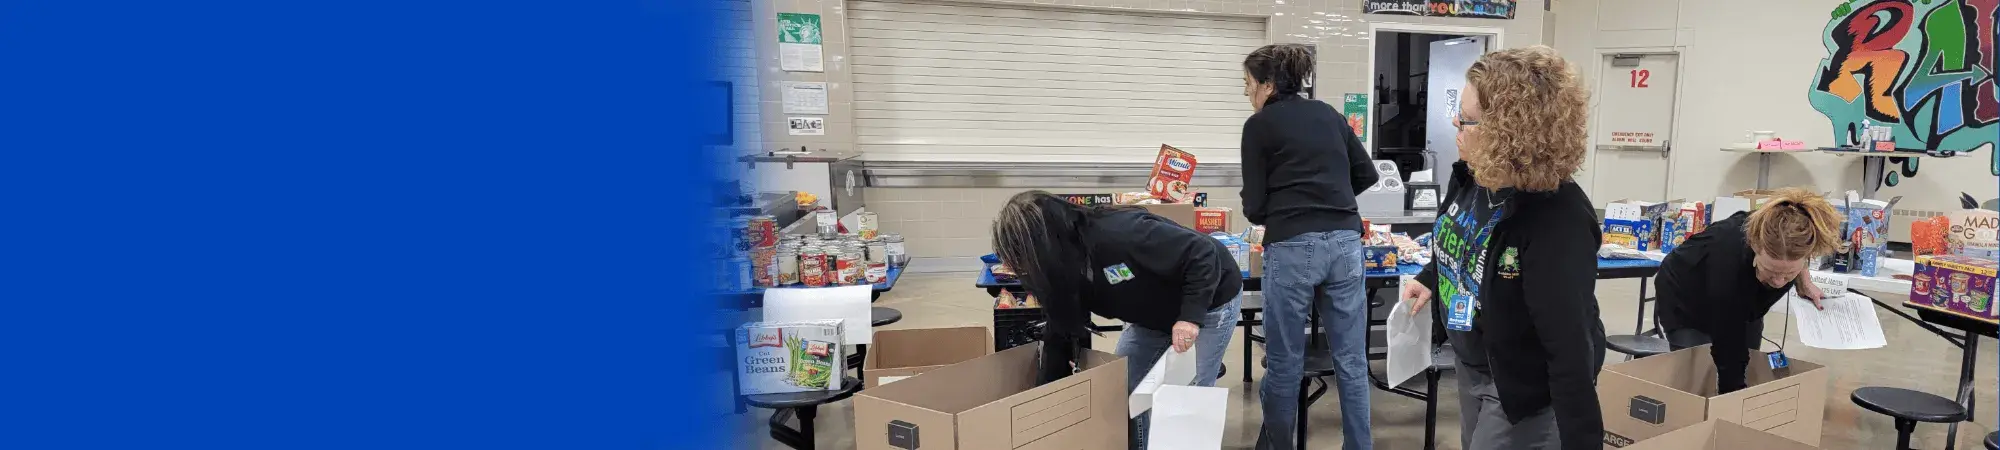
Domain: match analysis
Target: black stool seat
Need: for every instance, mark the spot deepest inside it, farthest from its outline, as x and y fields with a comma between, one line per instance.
x=880, y=316
x=1993, y=441
x=1906, y=404
x=1639, y=346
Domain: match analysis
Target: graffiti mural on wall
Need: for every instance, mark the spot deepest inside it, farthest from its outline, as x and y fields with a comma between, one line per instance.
x=1924, y=68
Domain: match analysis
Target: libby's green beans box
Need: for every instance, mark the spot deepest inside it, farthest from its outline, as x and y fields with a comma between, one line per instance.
x=782, y=357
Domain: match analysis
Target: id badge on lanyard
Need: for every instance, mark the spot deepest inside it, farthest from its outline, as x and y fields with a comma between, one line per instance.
x=1463, y=307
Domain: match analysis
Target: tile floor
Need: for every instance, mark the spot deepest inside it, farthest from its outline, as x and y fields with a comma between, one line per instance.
x=1914, y=359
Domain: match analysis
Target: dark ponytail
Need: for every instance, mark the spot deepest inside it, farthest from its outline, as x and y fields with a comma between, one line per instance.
x=1040, y=236
x=1285, y=67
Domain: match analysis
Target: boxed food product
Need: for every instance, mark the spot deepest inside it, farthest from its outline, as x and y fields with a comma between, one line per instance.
x=1973, y=233
x=781, y=357
x=1210, y=219
x=1180, y=213
x=993, y=403
x=1173, y=169
x=1652, y=396
x=900, y=354
x=1626, y=224
x=1958, y=285
x=1867, y=235
x=1718, y=435
x=1380, y=259
x=1928, y=236
x=1684, y=219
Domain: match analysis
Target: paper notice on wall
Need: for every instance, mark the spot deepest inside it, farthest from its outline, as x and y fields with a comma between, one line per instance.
x=1848, y=322
x=806, y=126
x=1188, y=418
x=804, y=97
x=1173, y=369
x=799, y=43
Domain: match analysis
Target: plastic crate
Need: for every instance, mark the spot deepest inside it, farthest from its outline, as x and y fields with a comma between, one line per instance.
x=1016, y=327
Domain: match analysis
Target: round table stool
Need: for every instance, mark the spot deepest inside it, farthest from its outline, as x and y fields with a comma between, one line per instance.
x=804, y=405
x=1908, y=407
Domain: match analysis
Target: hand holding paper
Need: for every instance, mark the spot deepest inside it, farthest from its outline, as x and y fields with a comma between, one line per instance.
x=1409, y=341
x=1840, y=321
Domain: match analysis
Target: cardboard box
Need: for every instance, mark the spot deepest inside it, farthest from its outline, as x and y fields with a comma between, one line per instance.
x=786, y=357
x=1957, y=285
x=1180, y=213
x=1379, y=259
x=1210, y=219
x=992, y=403
x=900, y=354
x=1719, y=435
x=1648, y=397
x=1626, y=224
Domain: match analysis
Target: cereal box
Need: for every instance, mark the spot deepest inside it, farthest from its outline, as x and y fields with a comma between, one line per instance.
x=1172, y=171
x=1625, y=224
x=1959, y=285
x=1380, y=259
x=781, y=357
x=1867, y=233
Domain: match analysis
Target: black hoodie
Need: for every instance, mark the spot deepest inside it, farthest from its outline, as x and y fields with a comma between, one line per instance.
x=1169, y=274
x=1302, y=166
x=1539, y=320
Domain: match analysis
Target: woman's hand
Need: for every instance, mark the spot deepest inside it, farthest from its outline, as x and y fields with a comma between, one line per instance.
x=1184, y=336
x=1417, y=295
x=1811, y=292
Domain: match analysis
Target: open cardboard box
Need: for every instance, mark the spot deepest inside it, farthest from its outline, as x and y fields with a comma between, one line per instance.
x=992, y=403
x=1648, y=397
x=900, y=354
x=1719, y=435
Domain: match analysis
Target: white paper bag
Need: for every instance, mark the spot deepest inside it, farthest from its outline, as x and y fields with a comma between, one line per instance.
x=1409, y=341
x=850, y=304
x=1188, y=418
x=1173, y=369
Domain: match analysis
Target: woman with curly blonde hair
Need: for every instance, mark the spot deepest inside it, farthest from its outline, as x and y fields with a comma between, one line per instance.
x=1515, y=259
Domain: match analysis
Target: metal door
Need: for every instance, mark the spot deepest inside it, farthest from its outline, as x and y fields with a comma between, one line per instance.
x=1635, y=123
x=1449, y=60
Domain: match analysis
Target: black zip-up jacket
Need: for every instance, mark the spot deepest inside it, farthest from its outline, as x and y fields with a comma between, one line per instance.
x=1544, y=338
x=1710, y=284
x=1302, y=166
x=1177, y=275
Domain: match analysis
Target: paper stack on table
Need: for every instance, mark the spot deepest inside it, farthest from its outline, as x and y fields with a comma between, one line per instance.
x=1848, y=322
x=1173, y=369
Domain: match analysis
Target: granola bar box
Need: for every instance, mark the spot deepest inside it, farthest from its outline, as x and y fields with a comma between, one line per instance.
x=1953, y=284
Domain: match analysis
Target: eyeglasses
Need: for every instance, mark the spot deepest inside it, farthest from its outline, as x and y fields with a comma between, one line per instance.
x=1461, y=122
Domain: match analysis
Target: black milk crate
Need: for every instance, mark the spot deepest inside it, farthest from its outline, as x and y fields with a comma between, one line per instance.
x=1016, y=327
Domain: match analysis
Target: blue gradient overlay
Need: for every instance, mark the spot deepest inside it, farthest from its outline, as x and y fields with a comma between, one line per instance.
x=354, y=225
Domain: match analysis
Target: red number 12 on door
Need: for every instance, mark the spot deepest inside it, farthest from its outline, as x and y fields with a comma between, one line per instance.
x=1639, y=77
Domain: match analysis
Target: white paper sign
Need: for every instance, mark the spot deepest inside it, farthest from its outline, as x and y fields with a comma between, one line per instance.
x=1409, y=341
x=804, y=97
x=807, y=126
x=1173, y=369
x=847, y=303
x=1188, y=418
x=1848, y=322
x=801, y=57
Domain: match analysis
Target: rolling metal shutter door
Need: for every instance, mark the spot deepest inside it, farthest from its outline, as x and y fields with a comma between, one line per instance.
x=1002, y=83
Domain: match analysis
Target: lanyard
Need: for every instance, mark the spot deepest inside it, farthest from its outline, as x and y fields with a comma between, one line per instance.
x=1479, y=239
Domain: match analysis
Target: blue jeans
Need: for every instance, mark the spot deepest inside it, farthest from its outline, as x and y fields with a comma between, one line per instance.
x=1297, y=274
x=1142, y=347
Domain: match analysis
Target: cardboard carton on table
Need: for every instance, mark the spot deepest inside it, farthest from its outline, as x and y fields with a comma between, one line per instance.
x=1719, y=435
x=1648, y=397
x=900, y=354
x=993, y=403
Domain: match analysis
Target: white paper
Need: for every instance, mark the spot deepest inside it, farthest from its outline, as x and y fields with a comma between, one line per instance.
x=804, y=97
x=1173, y=369
x=1409, y=342
x=806, y=126
x=849, y=304
x=801, y=57
x=1188, y=418
x=1848, y=323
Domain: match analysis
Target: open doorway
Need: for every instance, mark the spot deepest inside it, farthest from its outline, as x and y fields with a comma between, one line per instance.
x=1416, y=72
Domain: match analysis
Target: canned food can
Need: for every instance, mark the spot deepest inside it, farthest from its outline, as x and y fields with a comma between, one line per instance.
x=764, y=266
x=878, y=252
x=788, y=266
x=850, y=269
x=877, y=273
x=892, y=244
x=763, y=231
x=812, y=267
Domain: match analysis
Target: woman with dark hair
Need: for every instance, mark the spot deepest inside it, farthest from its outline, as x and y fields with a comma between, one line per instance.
x=1302, y=165
x=1514, y=255
x=1716, y=287
x=1174, y=288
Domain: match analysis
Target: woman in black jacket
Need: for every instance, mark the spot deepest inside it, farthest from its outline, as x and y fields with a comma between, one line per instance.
x=1174, y=288
x=1514, y=259
x=1716, y=287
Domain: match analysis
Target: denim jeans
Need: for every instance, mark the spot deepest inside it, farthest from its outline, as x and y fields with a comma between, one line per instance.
x=1321, y=269
x=1142, y=347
